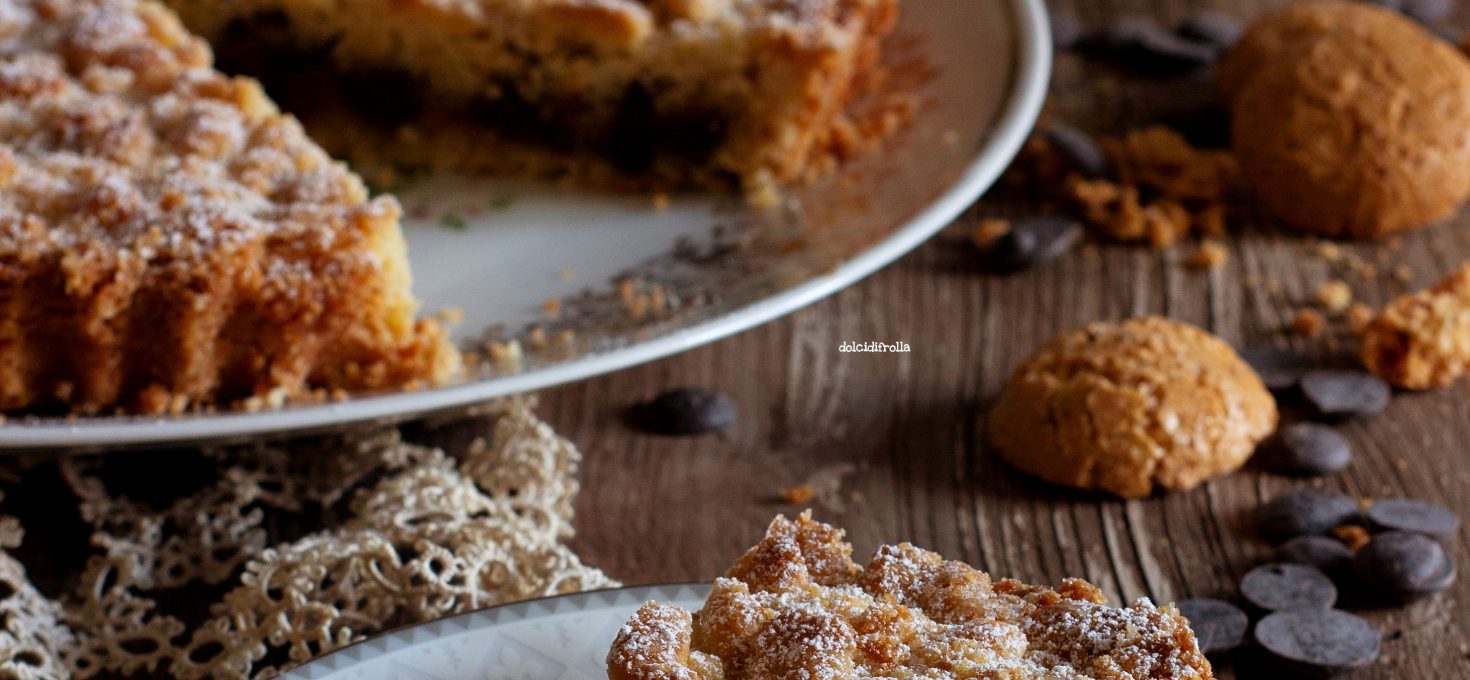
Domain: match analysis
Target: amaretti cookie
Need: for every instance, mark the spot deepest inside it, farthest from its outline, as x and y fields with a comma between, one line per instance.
x=1350, y=120
x=1129, y=406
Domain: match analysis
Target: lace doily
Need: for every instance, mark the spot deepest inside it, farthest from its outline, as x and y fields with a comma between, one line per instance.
x=300, y=550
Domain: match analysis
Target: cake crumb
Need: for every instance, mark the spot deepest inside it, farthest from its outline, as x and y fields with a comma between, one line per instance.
x=552, y=306
x=988, y=230
x=506, y=355
x=567, y=273
x=536, y=337
x=1335, y=296
x=1308, y=323
x=1404, y=274
x=660, y=202
x=1352, y=535
x=1329, y=252
x=449, y=316
x=798, y=495
x=1209, y=255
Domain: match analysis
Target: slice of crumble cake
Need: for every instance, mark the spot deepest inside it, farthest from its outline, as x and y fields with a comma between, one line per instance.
x=797, y=606
x=169, y=240
x=679, y=91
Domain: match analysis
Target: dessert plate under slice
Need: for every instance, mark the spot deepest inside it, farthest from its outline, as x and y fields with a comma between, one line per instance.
x=555, y=638
x=615, y=280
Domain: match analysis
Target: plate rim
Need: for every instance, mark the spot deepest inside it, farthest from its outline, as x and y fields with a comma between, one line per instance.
x=1030, y=80
x=327, y=663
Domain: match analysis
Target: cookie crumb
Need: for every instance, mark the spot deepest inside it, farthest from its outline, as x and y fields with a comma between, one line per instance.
x=1352, y=535
x=660, y=202
x=552, y=306
x=798, y=495
x=1209, y=255
x=988, y=230
x=1329, y=252
x=1308, y=323
x=1335, y=296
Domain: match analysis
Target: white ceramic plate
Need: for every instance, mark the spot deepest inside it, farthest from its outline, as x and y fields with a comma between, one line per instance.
x=556, y=638
x=498, y=251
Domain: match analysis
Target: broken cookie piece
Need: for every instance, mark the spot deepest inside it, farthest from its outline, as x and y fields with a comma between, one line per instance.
x=1422, y=340
x=1125, y=407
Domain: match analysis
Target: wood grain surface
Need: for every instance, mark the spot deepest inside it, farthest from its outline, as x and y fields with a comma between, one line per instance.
x=905, y=432
x=897, y=441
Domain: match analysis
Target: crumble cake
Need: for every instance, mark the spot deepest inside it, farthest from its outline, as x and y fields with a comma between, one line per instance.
x=797, y=606
x=169, y=240
x=674, y=91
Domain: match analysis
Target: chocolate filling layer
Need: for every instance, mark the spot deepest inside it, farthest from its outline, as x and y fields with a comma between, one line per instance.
x=303, y=77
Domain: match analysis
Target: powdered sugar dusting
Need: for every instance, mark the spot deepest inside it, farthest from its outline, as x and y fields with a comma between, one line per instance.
x=907, y=614
x=123, y=136
x=189, y=242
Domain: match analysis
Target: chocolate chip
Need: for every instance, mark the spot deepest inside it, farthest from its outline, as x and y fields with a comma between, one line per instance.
x=1327, y=554
x=1427, y=11
x=1305, y=512
x=1141, y=44
x=1079, y=148
x=1030, y=242
x=1216, y=29
x=1283, y=585
x=1308, y=450
x=1218, y=625
x=1407, y=514
x=685, y=411
x=1404, y=566
x=1066, y=31
x=1321, y=642
x=1280, y=369
x=1336, y=393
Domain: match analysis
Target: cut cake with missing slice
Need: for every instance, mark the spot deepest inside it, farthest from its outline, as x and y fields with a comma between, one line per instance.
x=168, y=240
x=675, y=91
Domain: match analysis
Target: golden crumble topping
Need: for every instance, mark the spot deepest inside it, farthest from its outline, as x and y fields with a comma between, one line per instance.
x=181, y=238
x=797, y=606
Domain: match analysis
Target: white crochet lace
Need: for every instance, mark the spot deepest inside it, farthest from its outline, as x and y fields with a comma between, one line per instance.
x=408, y=534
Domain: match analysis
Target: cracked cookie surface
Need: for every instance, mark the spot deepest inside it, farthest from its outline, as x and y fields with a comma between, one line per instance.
x=1349, y=120
x=1124, y=407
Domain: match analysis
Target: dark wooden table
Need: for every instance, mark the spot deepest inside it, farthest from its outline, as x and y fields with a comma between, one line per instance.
x=905, y=432
x=897, y=440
